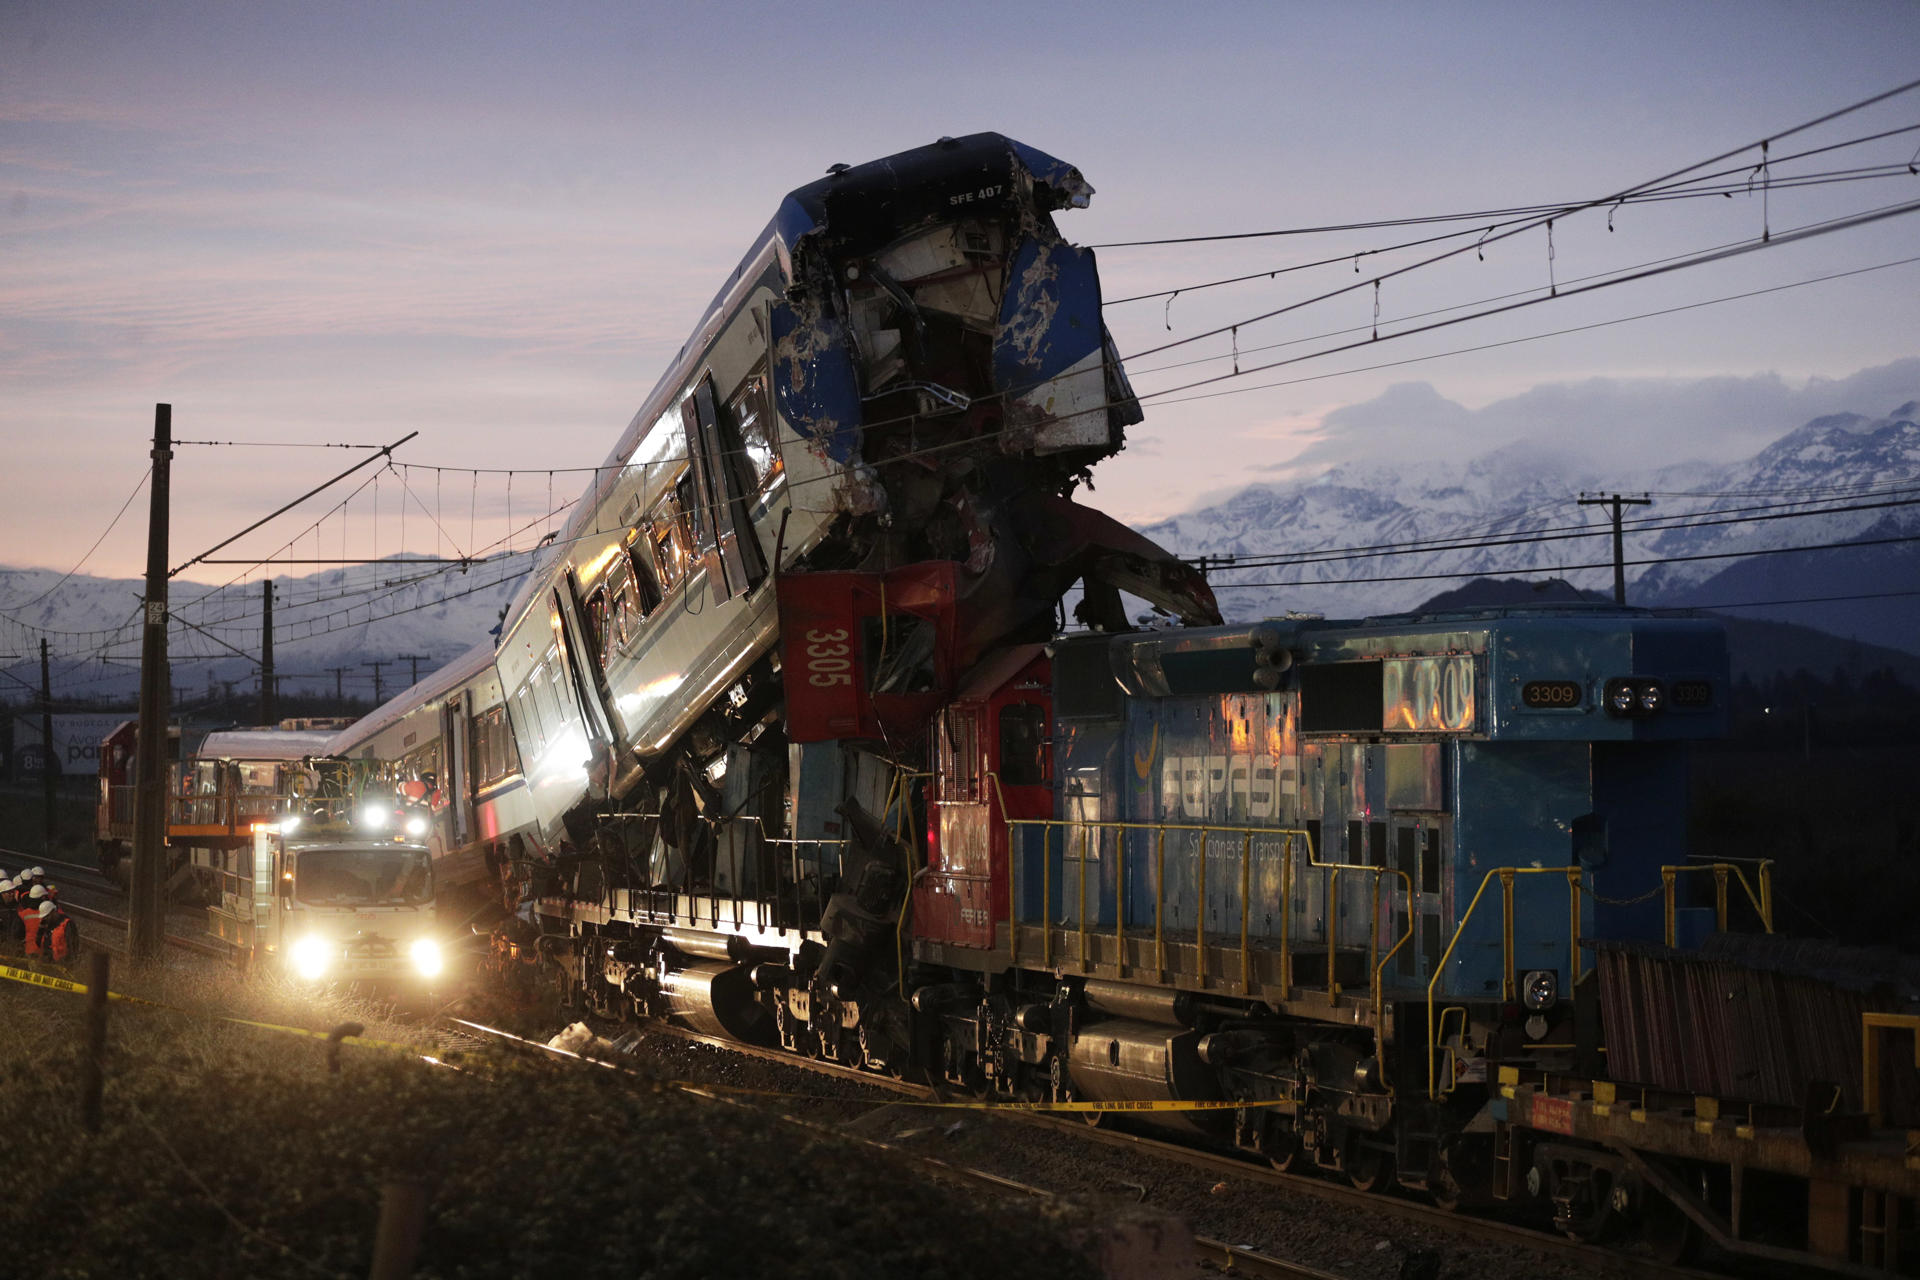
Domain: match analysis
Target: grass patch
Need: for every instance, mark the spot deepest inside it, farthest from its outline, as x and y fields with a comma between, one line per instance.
x=230, y=1151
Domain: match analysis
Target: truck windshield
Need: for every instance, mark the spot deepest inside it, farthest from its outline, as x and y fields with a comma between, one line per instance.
x=395, y=876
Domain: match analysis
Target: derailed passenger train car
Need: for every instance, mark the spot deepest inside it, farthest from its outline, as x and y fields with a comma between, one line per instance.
x=905, y=378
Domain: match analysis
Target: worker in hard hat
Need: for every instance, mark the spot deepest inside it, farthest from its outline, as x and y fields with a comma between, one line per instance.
x=10, y=926
x=59, y=935
x=28, y=913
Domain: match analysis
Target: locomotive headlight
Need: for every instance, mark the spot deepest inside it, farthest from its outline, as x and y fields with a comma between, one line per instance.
x=426, y=957
x=312, y=956
x=1651, y=698
x=1539, y=989
x=1620, y=697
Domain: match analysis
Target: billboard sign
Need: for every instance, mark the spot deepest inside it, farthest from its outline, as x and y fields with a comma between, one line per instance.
x=76, y=744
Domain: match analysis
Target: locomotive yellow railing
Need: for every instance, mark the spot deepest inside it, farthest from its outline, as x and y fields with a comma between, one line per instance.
x=1085, y=833
x=1506, y=877
x=1722, y=872
x=1871, y=1025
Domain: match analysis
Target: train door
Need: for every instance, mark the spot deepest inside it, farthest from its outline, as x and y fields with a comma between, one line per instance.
x=722, y=525
x=591, y=624
x=576, y=691
x=453, y=732
x=1418, y=849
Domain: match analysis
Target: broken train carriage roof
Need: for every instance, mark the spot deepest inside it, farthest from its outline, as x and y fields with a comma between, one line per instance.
x=908, y=187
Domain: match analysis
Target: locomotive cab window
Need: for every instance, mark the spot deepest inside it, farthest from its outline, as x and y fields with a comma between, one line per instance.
x=898, y=653
x=1023, y=750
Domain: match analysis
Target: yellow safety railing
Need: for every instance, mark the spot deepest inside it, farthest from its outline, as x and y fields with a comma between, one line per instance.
x=1722, y=872
x=1871, y=1025
x=1506, y=877
x=1084, y=833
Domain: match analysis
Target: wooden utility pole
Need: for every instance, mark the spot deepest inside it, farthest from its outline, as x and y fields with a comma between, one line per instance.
x=416, y=659
x=338, y=672
x=49, y=761
x=1619, y=552
x=145, y=919
x=379, y=690
x=266, y=652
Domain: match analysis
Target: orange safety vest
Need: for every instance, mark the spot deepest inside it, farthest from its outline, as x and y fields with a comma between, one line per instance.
x=30, y=921
x=60, y=936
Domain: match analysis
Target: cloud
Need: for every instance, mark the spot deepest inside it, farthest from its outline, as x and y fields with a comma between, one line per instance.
x=1604, y=420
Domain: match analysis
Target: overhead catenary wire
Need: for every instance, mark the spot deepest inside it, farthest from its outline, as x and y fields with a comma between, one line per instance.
x=1354, y=257
x=1481, y=215
x=1844, y=544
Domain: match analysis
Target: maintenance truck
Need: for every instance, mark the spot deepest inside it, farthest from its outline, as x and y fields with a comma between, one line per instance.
x=326, y=899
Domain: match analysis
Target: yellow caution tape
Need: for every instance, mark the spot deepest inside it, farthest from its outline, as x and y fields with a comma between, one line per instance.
x=37, y=979
x=990, y=1105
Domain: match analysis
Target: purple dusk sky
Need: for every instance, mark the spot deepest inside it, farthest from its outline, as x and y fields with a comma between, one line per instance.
x=494, y=223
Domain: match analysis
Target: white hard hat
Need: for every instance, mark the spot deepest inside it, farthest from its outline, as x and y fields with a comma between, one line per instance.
x=46, y=909
x=36, y=892
x=37, y=872
x=6, y=886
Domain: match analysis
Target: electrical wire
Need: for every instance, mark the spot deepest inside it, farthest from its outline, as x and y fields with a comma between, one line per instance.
x=1342, y=259
x=1569, y=568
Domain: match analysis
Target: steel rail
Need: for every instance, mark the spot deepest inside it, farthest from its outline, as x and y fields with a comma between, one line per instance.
x=211, y=950
x=1485, y=1230
x=1229, y=1257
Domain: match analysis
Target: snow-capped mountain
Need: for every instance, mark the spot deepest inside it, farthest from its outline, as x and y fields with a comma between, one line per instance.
x=339, y=618
x=1339, y=544
x=1336, y=545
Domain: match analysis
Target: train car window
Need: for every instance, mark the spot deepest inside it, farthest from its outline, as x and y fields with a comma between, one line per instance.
x=690, y=513
x=646, y=589
x=1430, y=861
x=1377, y=844
x=1023, y=732
x=759, y=449
x=663, y=531
x=1314, y=839
x=596, y=619
x=1356, y=850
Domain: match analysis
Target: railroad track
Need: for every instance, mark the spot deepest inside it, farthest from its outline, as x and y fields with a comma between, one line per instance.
x=212, y=950
x=1486, y=1230
x=1218, y=1254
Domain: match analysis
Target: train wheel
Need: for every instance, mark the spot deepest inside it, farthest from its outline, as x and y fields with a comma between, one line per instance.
x=1283, y=1151
x=1370, y=1169
x=1664, y=1234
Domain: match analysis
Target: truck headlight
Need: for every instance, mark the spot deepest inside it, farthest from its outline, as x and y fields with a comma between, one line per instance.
x=312, y=956
x=1539, y=989
x=416, y=826
x=427, y=960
